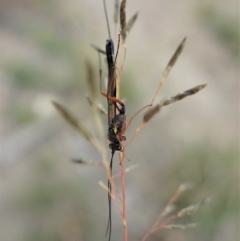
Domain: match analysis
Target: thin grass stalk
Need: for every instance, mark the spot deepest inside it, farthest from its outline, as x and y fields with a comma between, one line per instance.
x=96, y=116
x=116, y=70
x=156, y=226
x=116, y=11
x=131, y=119
x=173, y=199
x=124, y=218
x=124, y=56
x=102, y=185
x=100, y=108
x=167, y=221
x=122, y=208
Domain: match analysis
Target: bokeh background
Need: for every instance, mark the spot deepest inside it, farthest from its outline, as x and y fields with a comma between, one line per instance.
x=44, y=46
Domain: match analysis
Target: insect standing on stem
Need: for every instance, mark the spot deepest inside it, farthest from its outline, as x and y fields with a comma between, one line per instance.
x=116, y=121
x=116, y=114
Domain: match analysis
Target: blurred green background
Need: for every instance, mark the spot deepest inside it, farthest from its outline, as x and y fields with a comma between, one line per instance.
x=43, y=49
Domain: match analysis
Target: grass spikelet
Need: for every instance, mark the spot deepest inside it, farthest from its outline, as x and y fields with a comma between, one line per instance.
x=99, y=106
x=167, y=101
x=123, y=20
x=193, y=208
x=180, y=96
x=116, y=10
x=151, y=112
x=90, y=81
x=82, y=162
x=98, y=49
x=79, y=161
x=174, y=58
x=131, y=22
x=186, y=186
x=181, y=226
x=170, y=64
x=73, y=122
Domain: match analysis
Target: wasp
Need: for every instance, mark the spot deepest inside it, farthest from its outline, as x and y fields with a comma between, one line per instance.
x=116, y=114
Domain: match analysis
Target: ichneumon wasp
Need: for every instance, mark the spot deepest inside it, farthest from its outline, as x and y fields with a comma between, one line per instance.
x=116, y=121
x=116, y=108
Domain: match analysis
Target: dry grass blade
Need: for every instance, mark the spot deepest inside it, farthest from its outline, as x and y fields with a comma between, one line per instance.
x=100, y=108
x=98, y=49
x=116, y=9
x=90, y=81
x=123, y=19
x=180, y=96
x=131, y=22
x=73, y=122
x=170, y=64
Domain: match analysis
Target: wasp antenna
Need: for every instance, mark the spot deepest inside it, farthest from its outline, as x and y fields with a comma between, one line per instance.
x=106, y=15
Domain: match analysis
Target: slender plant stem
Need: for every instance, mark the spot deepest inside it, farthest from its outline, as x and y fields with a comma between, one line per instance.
x=170, y=202
x=162, y=225
x=125, y=237
x=156, y=226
